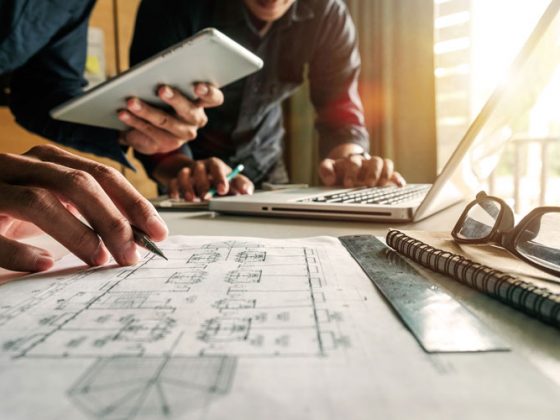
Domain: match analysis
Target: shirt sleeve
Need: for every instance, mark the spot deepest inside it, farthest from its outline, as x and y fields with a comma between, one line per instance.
x=333, y=74
x=52, y=76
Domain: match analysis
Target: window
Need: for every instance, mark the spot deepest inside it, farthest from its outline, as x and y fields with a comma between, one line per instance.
x=475, y=43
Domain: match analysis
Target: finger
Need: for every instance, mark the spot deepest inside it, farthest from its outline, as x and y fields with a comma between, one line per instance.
x=139, y=211
x=140, y=142
x=164, y=141
x=191, y=113
x=19, y=257
x=201, y=181
x=327, y=172
x=398, y=179
x=373, y=168
x=162, y=119
x=174, y=191
x=6, y=223
x=186, y=184
x=209, y=95
x=241, y=185
x=352, y=166
x=80, y=188
x=386, y=172
x=20, y=229
x=218, y=171
x=42, y=208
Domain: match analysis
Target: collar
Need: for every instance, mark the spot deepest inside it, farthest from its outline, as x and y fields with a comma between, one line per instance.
x=301, y=11
x=230, y=12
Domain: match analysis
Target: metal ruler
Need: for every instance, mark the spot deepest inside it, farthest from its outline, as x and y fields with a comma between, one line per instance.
x=438, y=321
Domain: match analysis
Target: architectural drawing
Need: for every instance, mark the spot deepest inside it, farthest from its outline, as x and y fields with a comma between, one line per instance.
x=163, y=338
x=161, y=387
x=238, y=329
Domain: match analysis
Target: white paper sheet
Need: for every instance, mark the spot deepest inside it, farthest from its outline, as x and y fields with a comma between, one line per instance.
x=238, y=328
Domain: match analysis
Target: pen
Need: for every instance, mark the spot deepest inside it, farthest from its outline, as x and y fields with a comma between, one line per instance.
x=144, y=241
x=236, y=171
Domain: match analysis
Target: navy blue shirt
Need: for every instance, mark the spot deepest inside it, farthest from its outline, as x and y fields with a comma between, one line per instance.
x=316, y=37
x=43, y=43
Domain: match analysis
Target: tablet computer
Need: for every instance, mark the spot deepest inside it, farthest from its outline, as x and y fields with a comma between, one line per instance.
x=208, y=56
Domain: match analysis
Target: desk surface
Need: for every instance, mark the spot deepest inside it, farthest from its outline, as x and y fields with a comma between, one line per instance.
x=535, y=340
x=528, y=338
x=538, y=342
x=208, y=223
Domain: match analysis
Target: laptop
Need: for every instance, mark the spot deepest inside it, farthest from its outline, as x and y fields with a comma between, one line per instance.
x=463, y=174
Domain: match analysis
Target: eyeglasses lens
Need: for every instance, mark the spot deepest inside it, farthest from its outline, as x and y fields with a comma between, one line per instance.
x=480, y=220
x=540, y=240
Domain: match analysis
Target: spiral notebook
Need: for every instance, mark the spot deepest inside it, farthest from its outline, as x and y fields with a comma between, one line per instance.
x=486, y=268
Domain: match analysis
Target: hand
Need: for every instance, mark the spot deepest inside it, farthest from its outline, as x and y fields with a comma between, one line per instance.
x=44, y=188
x=191, y=179
x=359, y=171
x=15, y=229
x=157, y=131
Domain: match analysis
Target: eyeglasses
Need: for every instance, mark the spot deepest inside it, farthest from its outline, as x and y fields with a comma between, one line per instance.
x=535, y=239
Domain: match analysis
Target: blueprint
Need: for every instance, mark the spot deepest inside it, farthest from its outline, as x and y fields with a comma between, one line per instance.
x=236, y=328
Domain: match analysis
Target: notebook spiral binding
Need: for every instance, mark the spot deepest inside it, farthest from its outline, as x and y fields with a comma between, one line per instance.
x=533, y=300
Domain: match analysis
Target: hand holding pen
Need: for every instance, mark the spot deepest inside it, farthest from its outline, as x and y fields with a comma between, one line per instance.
x=236, y=171
x=193, y=180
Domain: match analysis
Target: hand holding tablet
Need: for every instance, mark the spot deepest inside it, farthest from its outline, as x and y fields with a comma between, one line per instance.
x=184, y=78
x=154, y=130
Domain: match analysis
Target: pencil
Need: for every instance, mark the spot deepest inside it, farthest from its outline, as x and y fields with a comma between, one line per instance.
x=236, y=171
x=144, y=241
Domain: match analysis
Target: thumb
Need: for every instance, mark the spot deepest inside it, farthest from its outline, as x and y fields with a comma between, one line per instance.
x=16, y=256
x=398, y=179
x=242, y=185
x=327, y=172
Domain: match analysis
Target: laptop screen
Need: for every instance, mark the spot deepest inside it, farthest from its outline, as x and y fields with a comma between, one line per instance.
x=523, y=104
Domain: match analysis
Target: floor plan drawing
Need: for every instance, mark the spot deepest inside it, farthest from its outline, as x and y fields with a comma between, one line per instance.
x=232, y=328
x=163, y=329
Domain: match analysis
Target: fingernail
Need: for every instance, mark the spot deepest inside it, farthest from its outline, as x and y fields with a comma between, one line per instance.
x=221, y=188
x=202, y=90
x=167, y=93
x=43, y=263
x=123, y=116
x=131, y=255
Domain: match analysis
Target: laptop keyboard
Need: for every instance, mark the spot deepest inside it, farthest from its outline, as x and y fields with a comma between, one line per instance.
x=375, y=195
